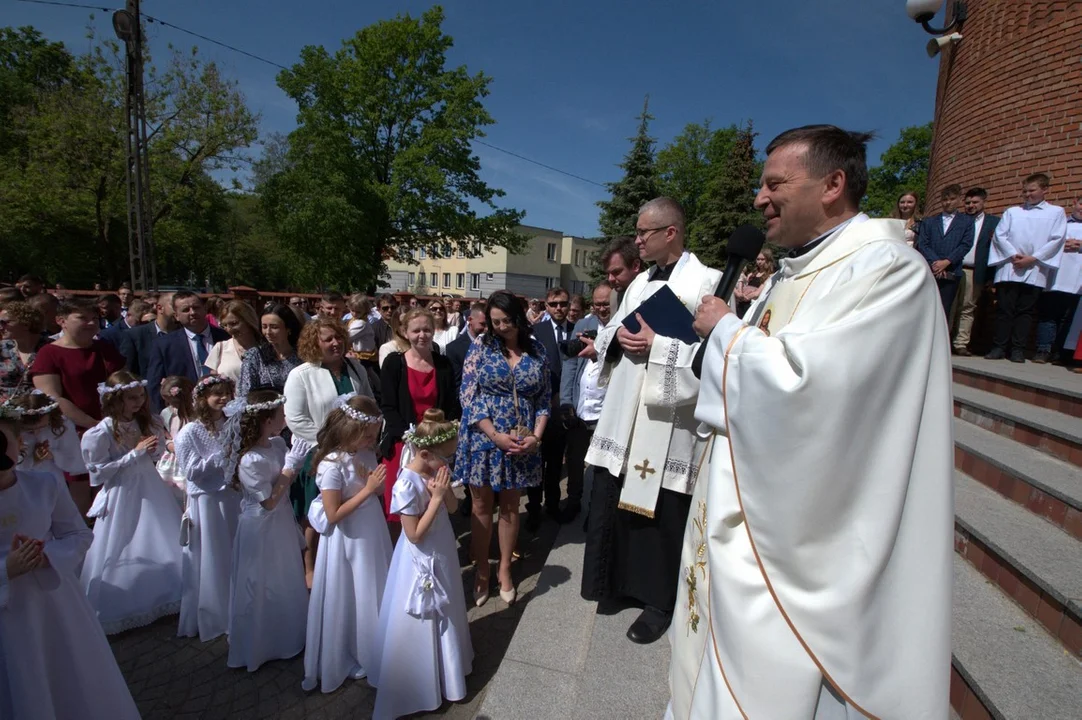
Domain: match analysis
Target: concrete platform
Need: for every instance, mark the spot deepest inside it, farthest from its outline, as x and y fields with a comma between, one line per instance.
x=1052, y=378
x=1049, y=430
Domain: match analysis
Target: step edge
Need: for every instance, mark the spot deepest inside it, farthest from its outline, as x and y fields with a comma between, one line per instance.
x=975, y=687
x=1018, y=418
x=1004, y=377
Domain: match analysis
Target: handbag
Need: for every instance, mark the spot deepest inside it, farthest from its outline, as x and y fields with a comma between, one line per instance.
x=520, y=430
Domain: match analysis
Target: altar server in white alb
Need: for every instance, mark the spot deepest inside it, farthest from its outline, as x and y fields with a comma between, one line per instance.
x=55, y=662
x=1026, y=251
x=49, y=441
x=644, y=447
x=817, y=569
x=1058, y=304
x=212, y=512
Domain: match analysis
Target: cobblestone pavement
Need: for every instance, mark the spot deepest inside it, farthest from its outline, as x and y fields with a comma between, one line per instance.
x=182, y=678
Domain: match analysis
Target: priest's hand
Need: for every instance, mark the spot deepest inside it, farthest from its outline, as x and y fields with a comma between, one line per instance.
x=636, y=343
x=1023, y=262
x=711, y=310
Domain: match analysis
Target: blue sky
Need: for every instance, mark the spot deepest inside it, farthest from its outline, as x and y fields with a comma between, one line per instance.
x=569, y=76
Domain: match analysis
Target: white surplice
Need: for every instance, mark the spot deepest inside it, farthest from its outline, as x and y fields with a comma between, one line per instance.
x=1036, y=230
x=1068, y=276
x=647, y=424
x=55, y=661
x=816, y=571
x=214, y=511
x=351, y=571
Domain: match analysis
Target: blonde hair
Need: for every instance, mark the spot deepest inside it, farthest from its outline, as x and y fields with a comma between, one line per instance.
x=246, y=315
x=340, y=431
x=359, y=306
x=308, y=345
x=434, y=422
x=438, y=324
x=415, y=313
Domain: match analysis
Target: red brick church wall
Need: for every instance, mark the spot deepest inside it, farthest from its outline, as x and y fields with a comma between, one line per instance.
x=1009, y=102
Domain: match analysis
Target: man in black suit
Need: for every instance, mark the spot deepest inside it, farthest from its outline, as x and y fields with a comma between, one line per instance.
x=975, y=275
x=133, y=319
x=457, y=348
x=551, y=333
x=183, y=351
x=137, y=345
x=945, y=240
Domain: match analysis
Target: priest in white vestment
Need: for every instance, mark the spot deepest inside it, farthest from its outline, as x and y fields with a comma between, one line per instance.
x=817, y=567
x=1026, y=251
x=645, y=448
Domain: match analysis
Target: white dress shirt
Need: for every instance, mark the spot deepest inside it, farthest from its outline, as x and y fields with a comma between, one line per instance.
x=947, y=218
x=193, y=339
x=971, y=256
x=591, y=397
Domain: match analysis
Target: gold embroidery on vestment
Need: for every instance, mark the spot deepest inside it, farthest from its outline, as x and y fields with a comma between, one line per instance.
x=698, y=565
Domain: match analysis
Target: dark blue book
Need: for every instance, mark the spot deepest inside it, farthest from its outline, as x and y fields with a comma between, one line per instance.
x=666, y=315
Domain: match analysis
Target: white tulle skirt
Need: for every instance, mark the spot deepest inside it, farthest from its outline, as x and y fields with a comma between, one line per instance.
x=208, y=564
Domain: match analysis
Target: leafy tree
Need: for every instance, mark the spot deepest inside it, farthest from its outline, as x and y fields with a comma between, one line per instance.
x=381, y=161
x=728, y=200
x=638, y=185
x=902, y=168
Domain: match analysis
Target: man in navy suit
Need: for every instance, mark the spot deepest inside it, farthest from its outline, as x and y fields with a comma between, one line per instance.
x=551, y=333
x=183, y=351
x=975, y=275
x=137, y=345
x=945, y=240
x=133, y=319
x=457, y=348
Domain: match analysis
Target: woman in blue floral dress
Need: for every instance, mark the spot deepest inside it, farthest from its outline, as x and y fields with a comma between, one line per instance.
x=499, y=441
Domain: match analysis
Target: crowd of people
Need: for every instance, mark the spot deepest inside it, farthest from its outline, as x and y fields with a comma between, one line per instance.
x=310, y=463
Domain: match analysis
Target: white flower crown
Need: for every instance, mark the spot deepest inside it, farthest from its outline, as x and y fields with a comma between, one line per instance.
x=104, y=389
x=9, y=411
x=342, y=403
x=44, y=410
x=240, y=405
x=209, y=381
x=410, y=436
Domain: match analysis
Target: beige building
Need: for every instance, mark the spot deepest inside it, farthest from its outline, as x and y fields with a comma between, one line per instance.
x=550, y=259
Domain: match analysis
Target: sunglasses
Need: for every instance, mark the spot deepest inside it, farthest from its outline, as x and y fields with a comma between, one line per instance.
x=559, y=304
x=386, y=308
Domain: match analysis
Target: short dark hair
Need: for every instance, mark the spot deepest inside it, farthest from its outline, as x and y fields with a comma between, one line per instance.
x=184, y=295
x=125, y=286
x=72, y=305
x=387, y=297
x=478, y=306
x=624, y=246
x=333, y=297
x=139, y=308
x=580, y=300
x=31, y=278
x=556, y=292
x=951, y=191
x=108, y=298
x=1039, y=178
x=829, y=148
x=977, y=192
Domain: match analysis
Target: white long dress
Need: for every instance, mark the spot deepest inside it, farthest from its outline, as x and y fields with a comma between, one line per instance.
x=351, y=570
x=55, y=663
x=214, y=509
x=65, y=453
x=132, y=571
x=269, y=606
x=425, y=658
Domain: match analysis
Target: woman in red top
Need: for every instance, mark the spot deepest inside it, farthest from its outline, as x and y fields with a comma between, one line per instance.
x=69, y=371
x=412, y=382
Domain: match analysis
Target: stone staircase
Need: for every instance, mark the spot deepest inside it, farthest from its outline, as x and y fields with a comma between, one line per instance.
x=1017, y=636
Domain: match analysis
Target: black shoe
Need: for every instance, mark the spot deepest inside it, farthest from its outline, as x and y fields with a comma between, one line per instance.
x=1017, y=356
x=997, y=353
x=962, y=352
x=570, y=512
x=1041, y=358
x=650, y=626
x=533, y=520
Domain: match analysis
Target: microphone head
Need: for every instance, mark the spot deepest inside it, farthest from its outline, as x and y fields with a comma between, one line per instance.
x=745, y=243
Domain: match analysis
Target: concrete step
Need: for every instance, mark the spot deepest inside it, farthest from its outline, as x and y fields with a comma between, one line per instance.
x=1049, y=431
x=1004, y=660
x=1030, y=560
x=1047, y=386
x=1044, y=485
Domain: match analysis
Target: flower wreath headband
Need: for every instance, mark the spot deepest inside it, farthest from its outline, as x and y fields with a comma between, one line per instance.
x=342, y=403
x=104, y=390
x=410, y=437
x=8, y=411
x=44, y=410
x=208, y=382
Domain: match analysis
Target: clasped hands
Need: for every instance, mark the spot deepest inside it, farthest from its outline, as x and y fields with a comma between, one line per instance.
x=26, y=554
x=1023, y=262
x=515, y=445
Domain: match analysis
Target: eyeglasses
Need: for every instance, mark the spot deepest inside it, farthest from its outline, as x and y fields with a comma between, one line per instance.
x=641, y=233
x=386, y=308
x=559, y=304
x=437, y=310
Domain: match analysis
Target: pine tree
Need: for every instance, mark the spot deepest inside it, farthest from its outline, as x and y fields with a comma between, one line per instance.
x=728, y=200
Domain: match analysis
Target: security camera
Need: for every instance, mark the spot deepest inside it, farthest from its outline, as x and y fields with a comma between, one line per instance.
x=937, y=45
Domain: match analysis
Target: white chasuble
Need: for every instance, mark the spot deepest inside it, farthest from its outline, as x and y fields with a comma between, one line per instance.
x=816, y=573
x=647, y=427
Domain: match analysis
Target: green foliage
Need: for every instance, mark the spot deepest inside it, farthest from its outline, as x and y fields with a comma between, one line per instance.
x=62, y=161
x=638, y=186
x=381, y=162
x=728, y=199
x=902, y=168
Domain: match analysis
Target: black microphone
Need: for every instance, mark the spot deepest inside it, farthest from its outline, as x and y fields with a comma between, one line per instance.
x=743, y=248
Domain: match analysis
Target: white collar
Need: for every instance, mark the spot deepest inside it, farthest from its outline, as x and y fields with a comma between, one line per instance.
x=1039, y=206
x=192, y=336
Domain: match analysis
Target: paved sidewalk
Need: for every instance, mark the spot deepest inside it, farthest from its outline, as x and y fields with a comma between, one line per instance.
x=566, y=662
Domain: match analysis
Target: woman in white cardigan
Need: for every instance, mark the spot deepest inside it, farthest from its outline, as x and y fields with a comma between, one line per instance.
x=311, y=390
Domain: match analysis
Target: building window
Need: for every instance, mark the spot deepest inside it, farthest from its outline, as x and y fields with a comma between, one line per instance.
x=447, y=280
x=411, y=278
x=477, y=248
x=432, y=280
x=423, y=255
x=460, y=280
x=461, y=253
x=489, y=277
x=475, y=281
x=551, y=254
x=551, y=283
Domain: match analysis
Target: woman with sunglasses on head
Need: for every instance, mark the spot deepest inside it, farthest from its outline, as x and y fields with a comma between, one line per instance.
x=444, y=332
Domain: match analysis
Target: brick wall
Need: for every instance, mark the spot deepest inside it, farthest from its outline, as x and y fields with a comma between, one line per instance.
x=1009, y=102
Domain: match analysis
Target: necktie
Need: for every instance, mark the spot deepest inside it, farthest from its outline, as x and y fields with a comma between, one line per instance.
x=201, y=356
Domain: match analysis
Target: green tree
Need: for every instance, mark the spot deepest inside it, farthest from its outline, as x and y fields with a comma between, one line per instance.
x=638, y=185
x=728, y=199
x=381, y=160
x=902, y=168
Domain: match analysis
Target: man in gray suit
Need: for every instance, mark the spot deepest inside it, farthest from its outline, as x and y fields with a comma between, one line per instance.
x=581, y=399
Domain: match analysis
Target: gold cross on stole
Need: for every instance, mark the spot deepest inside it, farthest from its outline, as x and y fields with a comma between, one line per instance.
x=645, y=469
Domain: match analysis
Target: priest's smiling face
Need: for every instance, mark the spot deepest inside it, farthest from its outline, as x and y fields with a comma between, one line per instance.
x=795, y=204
